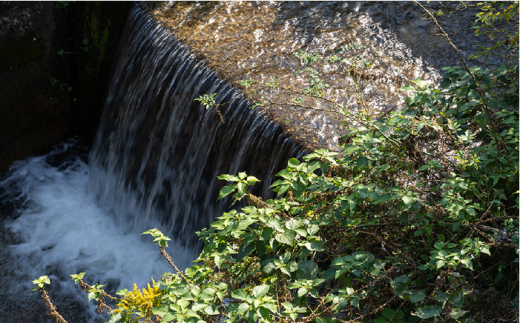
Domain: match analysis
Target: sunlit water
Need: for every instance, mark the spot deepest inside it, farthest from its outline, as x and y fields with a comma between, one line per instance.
x=59, y=230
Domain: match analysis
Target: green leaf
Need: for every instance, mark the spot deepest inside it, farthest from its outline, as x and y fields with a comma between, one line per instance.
x=246, y=247
x=264, y=313
x=241, y=187
x=266, y=233
x=457, y=313
x=162, y=310
x=467, y=262
x=287, y=237
x=348, y=149
x=383, y=198
x=314, y=246
x=242, y=308
x=361, y=161
x=307, y=269
x=268, y=265
x=212, y=310
x=428, y=311
x=122, y=292
x=239, y=294
x=313, y=229
x=420, y=83
x=293, y=162
x=293, y=224
x=440, y=264
x=229, y=178
x=260, y=291
x=226, y=190
x=416, y=296
x=408, y=200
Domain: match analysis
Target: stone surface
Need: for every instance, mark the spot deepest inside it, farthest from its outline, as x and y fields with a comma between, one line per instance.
x=242, y=40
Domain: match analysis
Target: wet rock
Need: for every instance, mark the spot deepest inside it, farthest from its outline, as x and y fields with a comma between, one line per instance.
x=257, y=40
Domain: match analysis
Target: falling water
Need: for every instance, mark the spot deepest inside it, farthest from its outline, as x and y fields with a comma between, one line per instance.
x=154, y=164
x=158, y=152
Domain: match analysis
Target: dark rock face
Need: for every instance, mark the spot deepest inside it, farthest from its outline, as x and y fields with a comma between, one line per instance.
x=35, y=114
x=52, y=84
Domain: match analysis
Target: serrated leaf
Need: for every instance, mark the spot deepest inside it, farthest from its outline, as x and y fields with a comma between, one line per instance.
x=293, y=224
x=467, y=262
x=268, y=266
x=246, y=247
x=161, y=310
x=408, y=200
x=313, y=229
x=212, y=310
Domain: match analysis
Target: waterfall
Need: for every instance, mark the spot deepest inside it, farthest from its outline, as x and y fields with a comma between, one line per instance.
x=158, y=153
x=154, y=163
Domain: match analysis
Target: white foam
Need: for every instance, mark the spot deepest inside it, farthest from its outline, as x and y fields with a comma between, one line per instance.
x=63, y=229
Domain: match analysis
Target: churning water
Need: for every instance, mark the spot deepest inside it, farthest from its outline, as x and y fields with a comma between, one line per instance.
x=53, y=226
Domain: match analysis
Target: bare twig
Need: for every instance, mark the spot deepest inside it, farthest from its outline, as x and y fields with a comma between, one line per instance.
x=52, y=308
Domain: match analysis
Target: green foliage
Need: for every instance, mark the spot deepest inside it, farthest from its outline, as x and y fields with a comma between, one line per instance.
x=40, y=282
x=158, y=237
x=207, y=100
x=241, y=183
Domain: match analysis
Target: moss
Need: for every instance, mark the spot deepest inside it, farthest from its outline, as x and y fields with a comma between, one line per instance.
x=21, y=51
